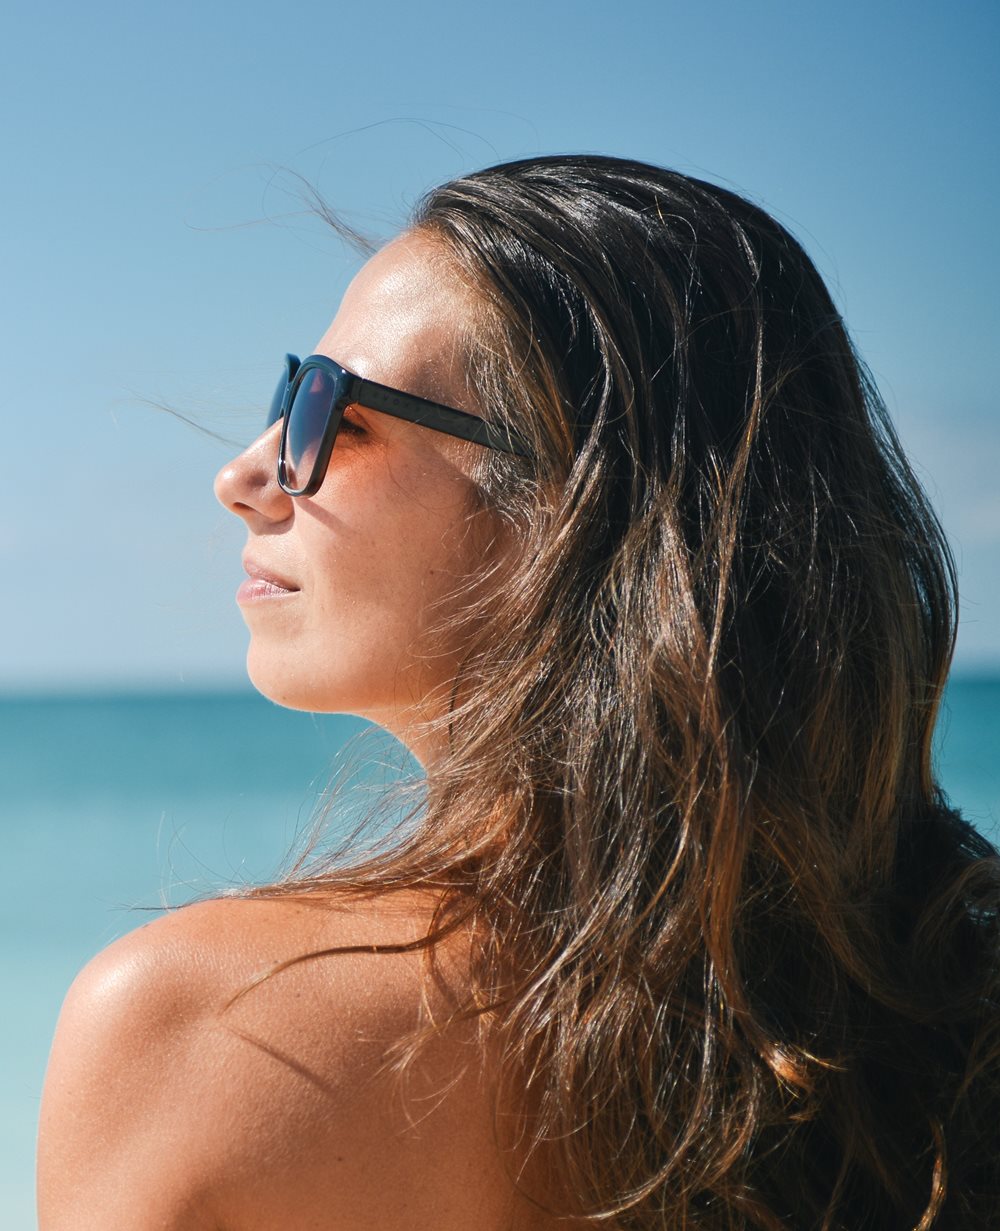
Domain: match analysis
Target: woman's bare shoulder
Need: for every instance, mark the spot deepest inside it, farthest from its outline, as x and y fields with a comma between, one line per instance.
x=210, y=943
x=238, y=963
x=205, y=1083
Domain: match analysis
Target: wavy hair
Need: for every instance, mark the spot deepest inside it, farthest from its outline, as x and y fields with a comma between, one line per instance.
x=740, y=952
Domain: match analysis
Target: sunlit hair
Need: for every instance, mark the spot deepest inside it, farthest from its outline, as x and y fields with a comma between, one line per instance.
x=740, y=954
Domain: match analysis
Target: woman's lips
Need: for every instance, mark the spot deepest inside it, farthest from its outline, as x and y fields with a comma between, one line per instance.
x=261, y=583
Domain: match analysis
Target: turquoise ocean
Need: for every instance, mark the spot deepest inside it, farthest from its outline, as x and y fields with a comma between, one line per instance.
x=114, y=806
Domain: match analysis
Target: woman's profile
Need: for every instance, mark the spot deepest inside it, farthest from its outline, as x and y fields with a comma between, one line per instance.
x=586, y=497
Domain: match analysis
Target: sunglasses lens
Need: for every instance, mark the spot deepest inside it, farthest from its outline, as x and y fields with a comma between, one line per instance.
x=308, y=415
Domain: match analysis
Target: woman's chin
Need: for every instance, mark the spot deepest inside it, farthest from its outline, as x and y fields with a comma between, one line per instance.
x=289, y=686
x=274, y=681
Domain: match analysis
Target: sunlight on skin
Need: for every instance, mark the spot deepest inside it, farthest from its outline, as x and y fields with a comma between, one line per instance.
x=365, y=560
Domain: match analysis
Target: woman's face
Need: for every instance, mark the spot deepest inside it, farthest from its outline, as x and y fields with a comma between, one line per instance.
x=359, y=567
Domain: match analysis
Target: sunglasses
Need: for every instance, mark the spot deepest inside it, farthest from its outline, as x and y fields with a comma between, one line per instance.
x=311, y=398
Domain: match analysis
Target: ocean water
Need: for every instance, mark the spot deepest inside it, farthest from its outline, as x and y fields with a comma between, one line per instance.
x=114, y=806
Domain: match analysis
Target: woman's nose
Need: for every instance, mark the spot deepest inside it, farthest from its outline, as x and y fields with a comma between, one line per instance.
x=248, y=485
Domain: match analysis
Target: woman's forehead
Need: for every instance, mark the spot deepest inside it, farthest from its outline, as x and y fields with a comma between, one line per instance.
x=409, y=281
x=402, y=320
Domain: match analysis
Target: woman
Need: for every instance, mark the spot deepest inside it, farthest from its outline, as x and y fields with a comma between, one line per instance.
x=686, y=935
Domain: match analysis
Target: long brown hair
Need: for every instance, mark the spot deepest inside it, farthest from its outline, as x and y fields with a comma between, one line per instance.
x=741, y=952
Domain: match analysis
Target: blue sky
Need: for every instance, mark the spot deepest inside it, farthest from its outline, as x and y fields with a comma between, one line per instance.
x=153, y=248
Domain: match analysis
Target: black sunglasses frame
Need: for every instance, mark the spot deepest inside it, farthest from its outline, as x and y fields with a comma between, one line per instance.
x=354, y=390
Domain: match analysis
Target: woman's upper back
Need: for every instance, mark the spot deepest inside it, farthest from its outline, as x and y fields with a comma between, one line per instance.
x=167, y=1106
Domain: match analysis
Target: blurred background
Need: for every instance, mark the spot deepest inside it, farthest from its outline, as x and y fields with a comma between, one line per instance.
x=157, y=247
